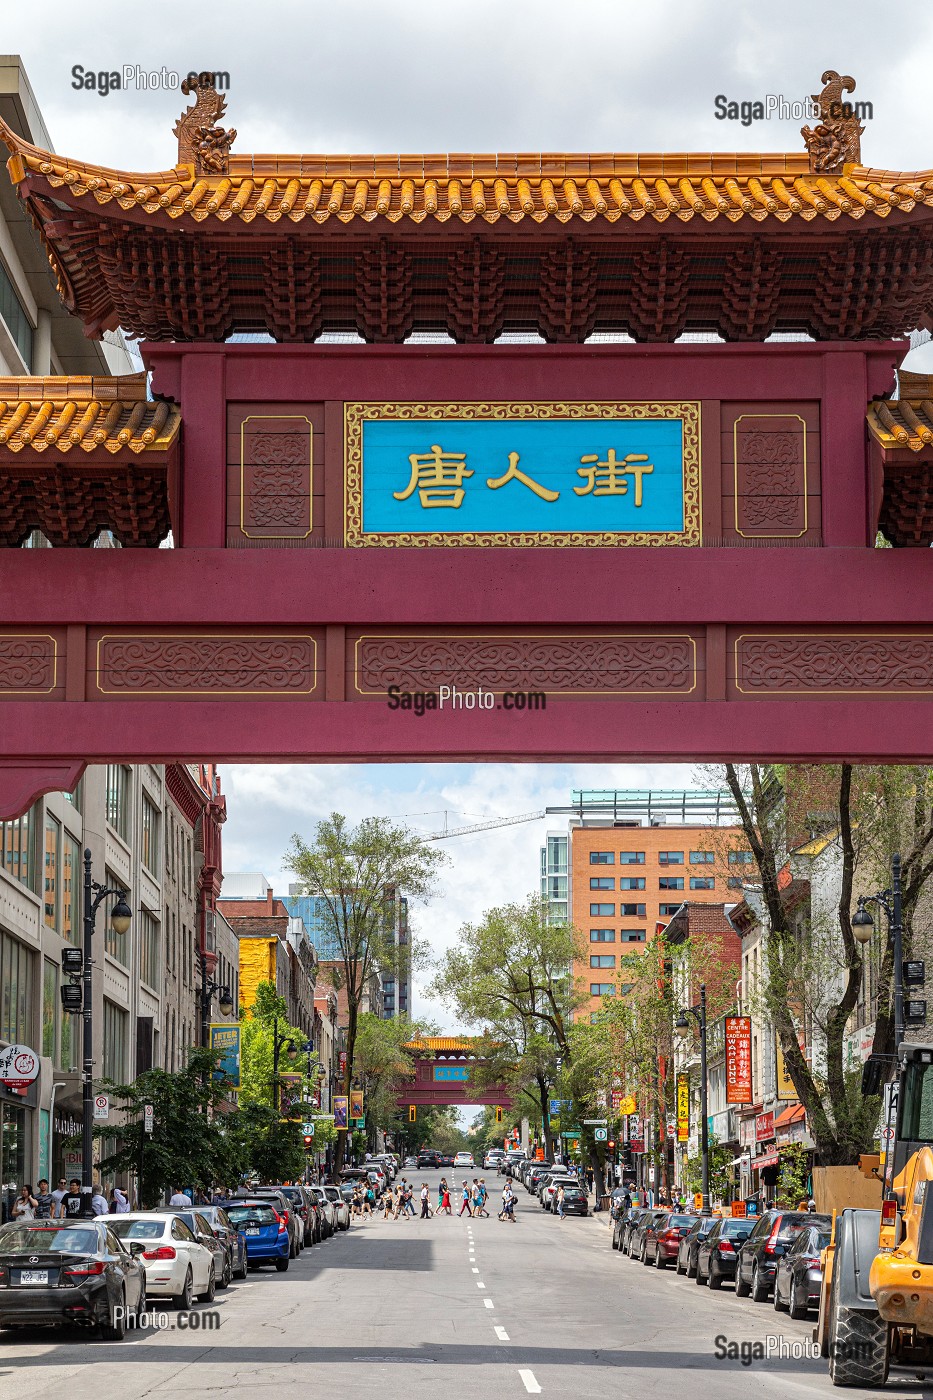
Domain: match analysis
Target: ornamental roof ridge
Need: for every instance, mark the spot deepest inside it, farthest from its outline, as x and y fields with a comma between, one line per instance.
x=122, y=388
x=87, y=411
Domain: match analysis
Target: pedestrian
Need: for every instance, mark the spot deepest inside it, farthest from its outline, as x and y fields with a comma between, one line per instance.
x=71, y=1205
x=482, y=1197
x=408, y=1201
x=58, y=1194
x=178, y=1198
x=399, y=1202
x=45, y=1201
x=626, y=1202
x=387, y=1204
x=445, y=1204
x=99, y=1204
x=441, y=1188
x=425, y=1202
x=560, y=1202
x=590, y=1178
x=25, y=1206
x=465, y=1200
x=119, y=1205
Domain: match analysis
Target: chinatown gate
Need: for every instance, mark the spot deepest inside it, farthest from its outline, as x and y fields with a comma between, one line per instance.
x=672, y=543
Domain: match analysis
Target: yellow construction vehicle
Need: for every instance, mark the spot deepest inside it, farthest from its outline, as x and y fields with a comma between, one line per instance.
x=876, y=1305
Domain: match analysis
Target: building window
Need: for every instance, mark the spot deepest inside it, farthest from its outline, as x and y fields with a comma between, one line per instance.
x=115, y=1020
x=76, y=798
x=602, y=989
x=631, y=882
x=51, y=863
x=632, y=935
x=741, y=858
x=150, y=957
x=602, y=858
x=118, y=798
x=734, y=882
x=702, y=882
x=670, y=857
x=115, y=942
x=17, y=963
x=670, y=882
x=71, y=883
x=150, y=836
x=602, y=935
x=702, y=857
x=602, y=882
x=17, y=853
x=603, y=960
x=631, y=911
x=49, y=1007
x=602, y=911
x=667, y=911
x=65, y=1059
x=631, y=857
x=557, y=853
x=14, y=314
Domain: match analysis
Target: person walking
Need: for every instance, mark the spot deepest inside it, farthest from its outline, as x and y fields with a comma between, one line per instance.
x=119, y=1205
x=559, y=1202
x=441, y=1188
x=58, y=1194
x=426, y=1211
x=465, y=1200
x=99, y=1204
x=481, y=1198
x=387, y=1205
x=71, y=1204
x=178, y=1198
x=445, y=1203
x=45, y=1201
x=25, y=1206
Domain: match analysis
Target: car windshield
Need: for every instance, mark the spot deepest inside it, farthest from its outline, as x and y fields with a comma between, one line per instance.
x=736, y=1229
x=679, y=1222
x=137, y=1229
x=35, y=1239
x=251, y=1215
x=791, y=1225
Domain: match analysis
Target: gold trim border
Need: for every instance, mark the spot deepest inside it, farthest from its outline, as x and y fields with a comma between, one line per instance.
x=735, y=477
x=814, y=636
x=279, y=418
x=212, y=636
x=34, y=637
x=687, y=411
x=532, y=636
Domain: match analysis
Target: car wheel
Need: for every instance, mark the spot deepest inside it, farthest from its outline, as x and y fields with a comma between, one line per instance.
x=678, y=1267
x=715, y=1278
x=208, y=1295
x=760, y=1290
x=698, y=1278
x=778, y=1305
x=281, y=1266
x=112, y=1330
x=185, y=1298
x=142, y=1306
x=797, y=1309
x=659, y=1261
x=741, y=1287
x=243, y=1269
x=227, y=1274
x=691, y=1266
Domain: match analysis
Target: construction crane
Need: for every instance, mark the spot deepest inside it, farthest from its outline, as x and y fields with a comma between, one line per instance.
x=481, y=826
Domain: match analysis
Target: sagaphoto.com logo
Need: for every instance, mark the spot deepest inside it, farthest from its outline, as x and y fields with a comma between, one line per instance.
x=130, y=77
x=774, y=106
x=451, y=698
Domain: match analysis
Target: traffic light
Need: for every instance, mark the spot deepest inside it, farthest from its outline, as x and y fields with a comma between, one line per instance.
x=412, y=1113
x=309, y=1142
x=498, y=1114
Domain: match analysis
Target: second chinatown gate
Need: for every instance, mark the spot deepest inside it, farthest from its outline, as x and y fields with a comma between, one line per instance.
x=674, y=543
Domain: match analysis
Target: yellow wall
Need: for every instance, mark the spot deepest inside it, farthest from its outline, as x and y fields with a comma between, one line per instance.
x=257, y=964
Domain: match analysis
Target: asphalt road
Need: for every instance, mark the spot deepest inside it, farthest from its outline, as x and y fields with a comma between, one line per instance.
x=451, y=1308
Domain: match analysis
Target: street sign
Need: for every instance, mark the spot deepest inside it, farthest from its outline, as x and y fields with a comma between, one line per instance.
x=698, y=1200
x=601, y=1134
x=595, y=1122
x=101, y=1106
x=887, y=1134
x=148, y=1118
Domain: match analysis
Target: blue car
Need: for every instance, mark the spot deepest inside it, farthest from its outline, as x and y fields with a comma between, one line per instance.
x=264, y=1230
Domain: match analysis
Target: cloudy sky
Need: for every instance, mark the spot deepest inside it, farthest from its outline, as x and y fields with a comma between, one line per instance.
x=466, y=75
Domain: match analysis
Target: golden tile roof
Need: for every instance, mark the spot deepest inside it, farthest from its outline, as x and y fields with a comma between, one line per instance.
x=468, y=187
x=906, y=421
x=436, y=1043
x=69, y=411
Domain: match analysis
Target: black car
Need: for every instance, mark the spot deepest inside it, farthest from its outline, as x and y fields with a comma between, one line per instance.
x=717, y=1254
x=774, y=1231
x=60, y=1272
x=690, y=1244
x=799, y=1275
x=636, y=1241
x=576, y=1201
x=229, y=1235
x=629, y=1225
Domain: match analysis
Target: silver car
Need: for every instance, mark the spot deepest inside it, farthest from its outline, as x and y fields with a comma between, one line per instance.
x=340, y=1206
x=328, y=1210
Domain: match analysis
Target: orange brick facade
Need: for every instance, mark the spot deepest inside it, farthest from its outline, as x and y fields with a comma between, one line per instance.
x=625, y=880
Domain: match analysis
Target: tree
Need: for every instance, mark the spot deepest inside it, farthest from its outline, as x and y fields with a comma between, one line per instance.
x=793, y=1182
x=191, y=1144
x=271, y=1149
x=355, y=874
x=384, y=1064
x=260, y=1025
x=720, y=1172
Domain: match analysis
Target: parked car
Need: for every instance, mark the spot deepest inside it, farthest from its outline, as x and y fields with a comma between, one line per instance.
x=799, y=1276
x=717, y=1254
x=293, y=1222
x=328, y=1211
x=690, y=1244
x=621, y=1219
x=663, y=1236
x=773, y=1232
x=547, y=1189
x=636, y=1244
x=341, y=1205
x=636, y=1216
x=464, y=1159
x=60, y=1272
x=204, y=1233
x=534, y=1174
x=304, y=1204
x=264, y=1229
x=225, y=1230
x=413, y=1161
x=576, y=1201
x=175, y=1263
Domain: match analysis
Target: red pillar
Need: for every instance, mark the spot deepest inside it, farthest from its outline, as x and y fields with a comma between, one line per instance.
x=204, y=478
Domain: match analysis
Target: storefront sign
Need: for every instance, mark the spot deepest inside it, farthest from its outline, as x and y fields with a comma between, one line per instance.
x=764, y=1127
x=19, y=1066
x=226, y=1039
x=769, y=1159
x=530, y=473
x=739, y=1210
x=627, y=1105
x=746, y=1132
x=683, y=1107
x=738, y=1059
x=785, y=1085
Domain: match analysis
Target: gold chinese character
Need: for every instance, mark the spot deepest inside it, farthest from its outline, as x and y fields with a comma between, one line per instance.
x=438, y=475
x=513, y=474
x=608, y=478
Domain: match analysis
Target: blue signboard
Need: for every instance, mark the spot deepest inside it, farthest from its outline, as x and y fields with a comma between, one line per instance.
x=522, y=474
x=448, y=1072
x=227, y=1039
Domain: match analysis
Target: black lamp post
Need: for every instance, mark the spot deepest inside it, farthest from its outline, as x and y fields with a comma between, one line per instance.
x=121, y=916
x=210, y=989
x=682, y=1024
x=862, y=925
x=291, y=1050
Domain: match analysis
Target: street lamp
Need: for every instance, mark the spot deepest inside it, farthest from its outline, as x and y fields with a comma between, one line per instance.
x=121, y=916
x=863, y=925
x=682, y=1025
x=291, y=1050
x=210, y=989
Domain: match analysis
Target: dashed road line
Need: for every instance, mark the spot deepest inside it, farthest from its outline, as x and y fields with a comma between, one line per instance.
x=488, y=1303
x=474, y=1271
x=480, y=1285
x=501, y=1334
x=529, y=1382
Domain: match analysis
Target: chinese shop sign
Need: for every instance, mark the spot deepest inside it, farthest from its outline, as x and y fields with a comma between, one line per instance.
x=683, y=1107
x=738, y=1059
x=522, y=473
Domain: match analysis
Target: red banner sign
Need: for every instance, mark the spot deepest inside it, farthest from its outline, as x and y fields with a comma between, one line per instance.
x=738, y=1059
x=764, y=1127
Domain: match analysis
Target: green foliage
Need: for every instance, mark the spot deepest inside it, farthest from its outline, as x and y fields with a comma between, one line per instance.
x=793, y=1183
x=272, y=1150
x=191, y=1145
x=269, y=1017
x=720, y=1172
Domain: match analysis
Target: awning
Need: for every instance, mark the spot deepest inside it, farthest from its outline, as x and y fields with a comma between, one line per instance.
x=794, y=1113
x=768, y=1159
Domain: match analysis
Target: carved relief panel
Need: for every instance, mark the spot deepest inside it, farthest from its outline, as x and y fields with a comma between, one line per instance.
x=771, y=472
x=272, y=460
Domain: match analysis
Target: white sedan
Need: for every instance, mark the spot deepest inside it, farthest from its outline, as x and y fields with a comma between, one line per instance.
x=464, y=1159
x=176, y=1265
x=340, y=1206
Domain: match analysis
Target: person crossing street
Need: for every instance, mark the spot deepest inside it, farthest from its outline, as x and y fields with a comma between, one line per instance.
x=465, y=1204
